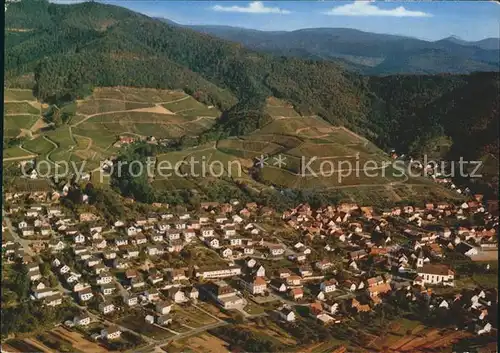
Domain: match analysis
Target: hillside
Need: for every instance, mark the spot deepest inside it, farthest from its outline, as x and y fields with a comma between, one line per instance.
x=139, y=51
x=70, y=49
x=369, y=53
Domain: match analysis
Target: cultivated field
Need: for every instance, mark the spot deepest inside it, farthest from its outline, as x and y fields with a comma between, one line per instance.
x=21, y=112
x=140, y=95
x=16, y=153
x=58, y=337
x=20, y=108
x=296, y=141
x=204, y=343
x=18, y=95
x=192, y=317
x=96, y=122
x=15, y=124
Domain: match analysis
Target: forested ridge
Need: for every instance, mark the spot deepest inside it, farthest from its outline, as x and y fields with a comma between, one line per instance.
x=368, y=53
x=71, y=48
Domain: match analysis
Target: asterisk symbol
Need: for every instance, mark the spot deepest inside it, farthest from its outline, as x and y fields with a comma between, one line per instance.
x=279, y=161
x=261, y=161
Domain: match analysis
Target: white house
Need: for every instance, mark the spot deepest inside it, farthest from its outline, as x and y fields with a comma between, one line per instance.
x=64, y=269
x=482, y=329
x=436, y=274
x=104, y=278
x=85, y=295
x=82, y=320
x=207, y=232
x=131, y=231
x=177, y=295
x=107, y=289
x=227, y=252
x=287, y=314
x=106, y=308
x=328, y=286
x=255, y=285
x=214, y=243
x=163, y=307
x=111, y=333
x=219, y=272
x=276, y=250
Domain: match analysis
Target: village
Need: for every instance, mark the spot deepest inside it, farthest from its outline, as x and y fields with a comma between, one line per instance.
x=161, y=270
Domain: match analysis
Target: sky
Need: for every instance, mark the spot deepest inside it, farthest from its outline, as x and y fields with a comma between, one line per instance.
x=469, y=20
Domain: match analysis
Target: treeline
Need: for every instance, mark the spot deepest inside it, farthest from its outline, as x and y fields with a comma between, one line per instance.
x=67, y=77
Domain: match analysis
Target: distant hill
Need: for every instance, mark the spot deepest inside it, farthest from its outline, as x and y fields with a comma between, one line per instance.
x=486, y=44
x=372, y=53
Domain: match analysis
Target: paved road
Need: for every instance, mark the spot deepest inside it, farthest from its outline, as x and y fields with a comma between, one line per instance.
x=24, y=243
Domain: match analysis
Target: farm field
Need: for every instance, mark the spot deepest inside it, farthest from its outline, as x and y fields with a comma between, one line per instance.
x=188, y=106
x=63, y=139
x=132, y=94
x=77, y=341
x=204, y=343
x=96, y=106
x=39, y=145
x=18, y=95
x=20, y=108
x=278, y=107
x=96, y=122
x=192, y=317
x=16, y=152
x=110, y=112
x=21, y=111
x=145, y=124
x=298, y=140
x=18, y=345
x=49, y=340
x=14, y=124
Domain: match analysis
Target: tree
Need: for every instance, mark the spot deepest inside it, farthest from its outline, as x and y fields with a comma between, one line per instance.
x=21, y=281
x=53, y=282
x=238, y=318
x=45, y=269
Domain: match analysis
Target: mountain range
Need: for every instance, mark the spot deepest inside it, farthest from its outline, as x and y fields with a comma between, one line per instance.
x=62, y=51
x=369, y=53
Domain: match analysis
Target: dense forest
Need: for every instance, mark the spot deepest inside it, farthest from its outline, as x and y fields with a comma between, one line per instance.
x=71, y=48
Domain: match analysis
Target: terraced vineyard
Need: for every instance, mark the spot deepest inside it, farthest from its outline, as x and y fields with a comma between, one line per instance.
x=21, y=113
x=96, y=122
x=297, y=152
x=295, y=148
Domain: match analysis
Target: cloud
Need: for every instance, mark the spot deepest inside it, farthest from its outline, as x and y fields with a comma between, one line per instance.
x=366, y=8
x=253, y=7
